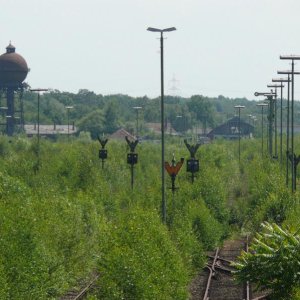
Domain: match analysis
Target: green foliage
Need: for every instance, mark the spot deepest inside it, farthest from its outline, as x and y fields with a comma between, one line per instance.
x=70, y=217
x=202, y=109
x=140, y=261
x=117, y=110
x=111, y=117
x=273, y=261
x=207, y=229
x=93, y=122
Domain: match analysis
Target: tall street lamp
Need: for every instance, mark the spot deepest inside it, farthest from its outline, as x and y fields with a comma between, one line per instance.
x=275, y=86
x=239, y=107
x=68, y=113
x=291, y=74
x=280, y=81
x=39, y=90
x=287, y=123
x=137, y=108
x=262, y=105
x=161, y=31
x=292, y=58
x=270, y=98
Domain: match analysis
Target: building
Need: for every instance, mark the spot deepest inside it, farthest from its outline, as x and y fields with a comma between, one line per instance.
x=49, y=130
x=230, y=130
x=120, y=134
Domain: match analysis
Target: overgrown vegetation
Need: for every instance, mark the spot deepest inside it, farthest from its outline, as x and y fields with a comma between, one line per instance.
x=273, y=261
x=68, y=218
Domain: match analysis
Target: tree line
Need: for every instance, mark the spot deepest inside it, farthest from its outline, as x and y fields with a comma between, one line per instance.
x=97, y=113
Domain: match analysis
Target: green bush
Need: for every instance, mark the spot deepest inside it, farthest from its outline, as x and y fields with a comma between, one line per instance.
x=273, y=261
x=139, y=261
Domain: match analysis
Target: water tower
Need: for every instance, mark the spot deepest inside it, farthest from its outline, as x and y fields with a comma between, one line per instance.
x=13, y=71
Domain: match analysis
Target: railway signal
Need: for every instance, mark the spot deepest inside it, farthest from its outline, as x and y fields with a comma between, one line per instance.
x=173, y=170
x=132, y=157
x=192, y=164
x=102, y=151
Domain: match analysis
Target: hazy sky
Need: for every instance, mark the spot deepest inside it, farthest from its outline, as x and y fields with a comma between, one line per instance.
x=221, y=47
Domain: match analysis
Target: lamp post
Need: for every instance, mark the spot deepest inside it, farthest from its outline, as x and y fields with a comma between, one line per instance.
x=275, y=86
x=288, y=123
x=239, y=107
x=280, y=80
x=292, y=58
x=137, y=108
x=161, y=31
x=262, y=105
x=291, y=74
x=270, y=98
x=68, y=113
x=39, y=90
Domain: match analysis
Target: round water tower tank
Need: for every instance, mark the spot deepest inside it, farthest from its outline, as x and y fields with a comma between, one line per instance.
x=13, y=68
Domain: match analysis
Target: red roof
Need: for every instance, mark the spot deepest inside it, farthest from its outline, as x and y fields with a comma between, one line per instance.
x=121, y=134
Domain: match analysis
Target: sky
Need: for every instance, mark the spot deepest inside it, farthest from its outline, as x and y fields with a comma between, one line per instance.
x=220, y=47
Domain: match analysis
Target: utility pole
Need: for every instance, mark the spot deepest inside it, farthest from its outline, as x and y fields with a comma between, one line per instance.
x=161, y=31
x=291, y=73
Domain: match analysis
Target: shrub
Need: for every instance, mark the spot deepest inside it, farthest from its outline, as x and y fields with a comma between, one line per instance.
x=273, y=261
x=139, y=261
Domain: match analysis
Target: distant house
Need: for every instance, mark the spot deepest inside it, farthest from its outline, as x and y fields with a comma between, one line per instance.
x=120, y=134
x=230, y=130
x=49, y=130
x=156, y=128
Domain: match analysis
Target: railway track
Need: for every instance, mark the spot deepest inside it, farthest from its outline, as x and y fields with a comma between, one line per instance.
x=216, y=281
x=82, y=292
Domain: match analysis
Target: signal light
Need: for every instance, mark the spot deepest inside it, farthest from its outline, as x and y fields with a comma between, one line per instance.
x=102, y=151
x=192, y=165
x=132, y=158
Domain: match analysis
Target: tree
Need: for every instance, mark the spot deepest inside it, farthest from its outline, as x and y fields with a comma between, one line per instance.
x=93, y=123
x=111, y=116
x=202, y=109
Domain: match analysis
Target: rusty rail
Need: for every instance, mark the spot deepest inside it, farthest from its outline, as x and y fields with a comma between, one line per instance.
x=217, y=265
x=73, y=295
x=211, y=274
x=86, y=289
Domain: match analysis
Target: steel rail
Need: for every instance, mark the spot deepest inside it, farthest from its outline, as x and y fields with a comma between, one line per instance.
x=211, y=274
x=83, y=292
x=222, y=259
